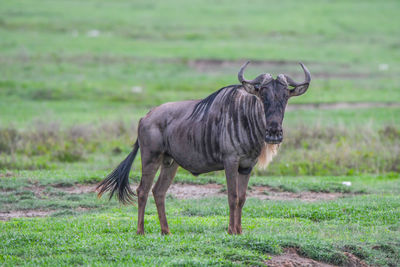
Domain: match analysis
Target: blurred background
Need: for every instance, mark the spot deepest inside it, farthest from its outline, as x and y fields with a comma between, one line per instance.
x=75, y=77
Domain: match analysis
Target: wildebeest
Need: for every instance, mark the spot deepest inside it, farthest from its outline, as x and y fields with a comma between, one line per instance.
x=231, y=129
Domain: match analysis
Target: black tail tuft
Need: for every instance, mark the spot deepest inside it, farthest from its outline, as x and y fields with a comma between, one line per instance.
x=118, y=180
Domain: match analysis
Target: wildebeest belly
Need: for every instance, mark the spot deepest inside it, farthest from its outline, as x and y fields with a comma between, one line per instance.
x=199, y=168
x=193, y=159
x=198, y=155
x=192, y=151
x=197, y=164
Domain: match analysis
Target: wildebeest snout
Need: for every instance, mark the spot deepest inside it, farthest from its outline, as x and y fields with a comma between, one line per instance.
x=274, y=134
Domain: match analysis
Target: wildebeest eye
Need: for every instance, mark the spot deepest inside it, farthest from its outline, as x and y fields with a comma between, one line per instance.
x=257, y=86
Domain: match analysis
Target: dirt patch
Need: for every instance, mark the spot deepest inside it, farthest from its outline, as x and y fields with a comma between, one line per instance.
x=4, y=216
x=77, y=189
x=188, y=191
x=265, y=192
x=341, y=71
x=342, y=105
x=6, y=174
x=208, y=64
x=40, y=190
x=353, y=261
x=180, y=191
x=192, y=191
x=325, y=71
x=291, y=259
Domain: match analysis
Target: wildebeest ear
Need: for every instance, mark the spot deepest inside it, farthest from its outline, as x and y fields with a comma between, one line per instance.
x=299, y=90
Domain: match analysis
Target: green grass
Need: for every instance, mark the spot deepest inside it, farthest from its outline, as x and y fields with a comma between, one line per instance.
x=24, y=114
x=365, y=225
x=71, y=91
x=51, y=68
x=70, y=102
x=191, y=30
x=320, y=149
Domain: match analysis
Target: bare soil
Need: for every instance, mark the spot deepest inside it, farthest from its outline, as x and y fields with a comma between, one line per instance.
x=23, y=213
x=265, y=192
x=4, y=216
x=78, y=189
x=6, y=174
x=180, y=191
x=353, y=261
x=342, y=105
x=212, y=66
x=186, y=191
x=343, y=71
x=193, y=191
x=291, y=258
x=41, y=191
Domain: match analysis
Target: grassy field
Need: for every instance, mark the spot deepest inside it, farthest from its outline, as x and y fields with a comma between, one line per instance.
x=364, y=223
x=75, y=78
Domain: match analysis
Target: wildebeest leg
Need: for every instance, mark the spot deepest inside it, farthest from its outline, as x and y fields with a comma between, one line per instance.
x=150, y=164
x=167, y=174
x=231, y=173
x=243, y=181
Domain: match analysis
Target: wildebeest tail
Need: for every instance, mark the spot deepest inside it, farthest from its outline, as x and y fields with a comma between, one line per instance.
x=118, y=180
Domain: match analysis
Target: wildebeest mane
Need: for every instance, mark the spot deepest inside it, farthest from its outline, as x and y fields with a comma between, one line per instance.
x=202, y=108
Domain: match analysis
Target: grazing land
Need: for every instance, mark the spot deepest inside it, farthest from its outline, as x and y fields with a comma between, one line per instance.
x=76, y=76
x=360, y=220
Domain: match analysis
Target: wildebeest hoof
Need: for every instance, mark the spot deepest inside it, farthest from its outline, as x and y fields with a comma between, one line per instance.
x=140, y=232
x=232, y=231
x=165, y=232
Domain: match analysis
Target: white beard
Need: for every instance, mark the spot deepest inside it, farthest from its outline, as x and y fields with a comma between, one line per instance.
x=268, y=152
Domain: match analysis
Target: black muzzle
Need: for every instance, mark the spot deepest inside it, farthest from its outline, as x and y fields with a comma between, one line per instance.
x=274, y=136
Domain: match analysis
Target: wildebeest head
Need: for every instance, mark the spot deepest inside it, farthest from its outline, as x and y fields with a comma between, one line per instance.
x=275, y=94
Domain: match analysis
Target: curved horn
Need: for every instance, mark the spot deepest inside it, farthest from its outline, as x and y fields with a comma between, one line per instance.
x=300, y=88
x=241, y=71
x=306, y=74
